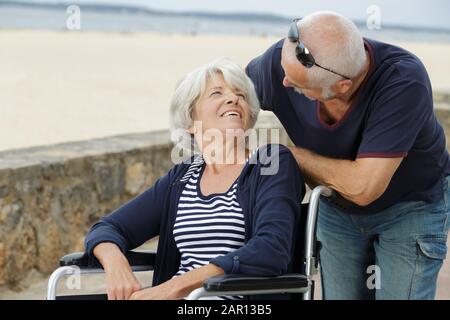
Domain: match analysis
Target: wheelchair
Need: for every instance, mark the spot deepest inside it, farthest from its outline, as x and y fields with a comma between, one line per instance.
x=301, y=283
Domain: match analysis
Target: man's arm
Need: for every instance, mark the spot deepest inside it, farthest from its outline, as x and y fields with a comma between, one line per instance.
x=361, y=181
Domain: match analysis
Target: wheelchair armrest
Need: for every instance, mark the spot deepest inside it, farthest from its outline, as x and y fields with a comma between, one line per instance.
x=239, y=282
x=135, y=258
x=79, y=259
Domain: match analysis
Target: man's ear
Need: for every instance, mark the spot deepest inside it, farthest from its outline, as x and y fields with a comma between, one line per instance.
x=343, y=86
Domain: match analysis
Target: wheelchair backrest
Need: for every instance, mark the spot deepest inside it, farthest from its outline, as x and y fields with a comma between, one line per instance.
x=299, y=254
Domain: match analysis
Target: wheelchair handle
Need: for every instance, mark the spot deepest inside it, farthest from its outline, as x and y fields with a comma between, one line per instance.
x=311, y=225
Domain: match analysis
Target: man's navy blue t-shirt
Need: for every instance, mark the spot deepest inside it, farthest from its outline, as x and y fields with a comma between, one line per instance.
x=391, y=116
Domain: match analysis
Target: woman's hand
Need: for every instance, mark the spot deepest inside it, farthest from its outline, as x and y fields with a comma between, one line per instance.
x=120, y=280
x=179, y=287
x=166, y=291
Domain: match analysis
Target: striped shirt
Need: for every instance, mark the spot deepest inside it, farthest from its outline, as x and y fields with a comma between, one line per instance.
x=206, y=226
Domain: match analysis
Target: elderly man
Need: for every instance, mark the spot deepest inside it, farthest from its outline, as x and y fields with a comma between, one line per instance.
x=360, y=113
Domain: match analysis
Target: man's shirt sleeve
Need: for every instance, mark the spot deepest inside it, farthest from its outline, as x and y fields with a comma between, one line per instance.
x=260, y=71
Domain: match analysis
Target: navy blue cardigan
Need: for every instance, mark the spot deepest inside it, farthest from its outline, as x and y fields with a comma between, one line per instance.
x=270, y=204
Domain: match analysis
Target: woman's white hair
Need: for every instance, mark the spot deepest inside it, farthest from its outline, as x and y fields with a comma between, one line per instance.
x=336, y=43
x=192, y=87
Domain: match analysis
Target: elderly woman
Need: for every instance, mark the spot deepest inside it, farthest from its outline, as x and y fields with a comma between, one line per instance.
x=212, y=217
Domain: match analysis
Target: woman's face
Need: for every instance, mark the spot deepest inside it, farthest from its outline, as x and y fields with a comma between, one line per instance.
x=222, y=107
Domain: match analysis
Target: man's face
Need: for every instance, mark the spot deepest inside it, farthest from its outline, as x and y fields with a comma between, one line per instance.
x=295, y=77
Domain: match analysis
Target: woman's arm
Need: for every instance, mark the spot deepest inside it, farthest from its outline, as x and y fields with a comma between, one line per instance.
x=179, y=287
x=277, y=208
x=135, y=222
x=270, y=249
x=124, y=229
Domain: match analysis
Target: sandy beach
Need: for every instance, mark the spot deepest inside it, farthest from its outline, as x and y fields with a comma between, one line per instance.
x=68, y=86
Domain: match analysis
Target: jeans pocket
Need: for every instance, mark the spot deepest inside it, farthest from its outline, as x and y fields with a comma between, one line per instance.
x=432, y=250
x=433, y=246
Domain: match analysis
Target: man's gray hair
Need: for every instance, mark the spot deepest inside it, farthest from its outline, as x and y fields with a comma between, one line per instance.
x=191, y=88
x=336, y=43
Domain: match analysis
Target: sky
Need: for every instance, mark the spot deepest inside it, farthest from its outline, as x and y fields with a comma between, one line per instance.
x=416, y=13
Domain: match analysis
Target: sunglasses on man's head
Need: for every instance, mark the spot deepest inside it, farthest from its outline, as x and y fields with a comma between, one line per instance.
x=302, y=53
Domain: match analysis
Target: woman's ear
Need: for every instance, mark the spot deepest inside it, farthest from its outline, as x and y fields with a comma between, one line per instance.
x=192, y=129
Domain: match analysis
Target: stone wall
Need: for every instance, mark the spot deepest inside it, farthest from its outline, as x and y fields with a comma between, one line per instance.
x=442, y=111
x=50, y=196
